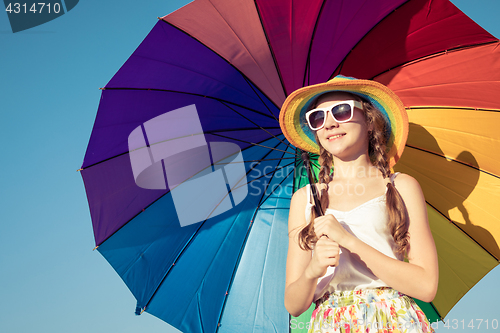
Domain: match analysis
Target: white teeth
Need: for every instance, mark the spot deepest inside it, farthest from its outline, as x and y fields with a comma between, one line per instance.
x=335, y=136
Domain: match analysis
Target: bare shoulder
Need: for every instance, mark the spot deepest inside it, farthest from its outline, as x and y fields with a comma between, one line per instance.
x=411, y=192
x=407, y=185
x=299, y=198
x=297, y=208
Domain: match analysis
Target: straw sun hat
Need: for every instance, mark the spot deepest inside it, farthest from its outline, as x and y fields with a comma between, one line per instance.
x=294, y=125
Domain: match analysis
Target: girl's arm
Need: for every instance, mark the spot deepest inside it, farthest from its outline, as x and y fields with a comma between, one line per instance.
x=419, y=277
x=302, y=269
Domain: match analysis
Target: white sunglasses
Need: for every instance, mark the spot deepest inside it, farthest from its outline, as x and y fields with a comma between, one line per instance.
x=342, y=112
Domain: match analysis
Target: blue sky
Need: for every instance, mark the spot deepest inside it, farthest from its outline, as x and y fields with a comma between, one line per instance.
x=51, y=280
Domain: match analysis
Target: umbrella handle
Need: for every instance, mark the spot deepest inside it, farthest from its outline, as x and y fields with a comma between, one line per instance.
x=317, y=204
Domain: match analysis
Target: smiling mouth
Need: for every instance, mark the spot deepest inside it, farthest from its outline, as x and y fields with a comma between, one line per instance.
x=334, y=137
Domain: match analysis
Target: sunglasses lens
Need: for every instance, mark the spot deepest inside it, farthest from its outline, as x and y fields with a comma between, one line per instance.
x=342, y=112
x=317, y=118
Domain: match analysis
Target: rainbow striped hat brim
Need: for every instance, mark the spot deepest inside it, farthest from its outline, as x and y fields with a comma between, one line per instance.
x=295, y=128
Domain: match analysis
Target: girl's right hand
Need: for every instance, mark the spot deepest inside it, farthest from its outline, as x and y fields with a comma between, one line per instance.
x=326, y=253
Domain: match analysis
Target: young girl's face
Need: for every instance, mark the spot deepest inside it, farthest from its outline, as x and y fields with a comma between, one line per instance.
x=344, y=140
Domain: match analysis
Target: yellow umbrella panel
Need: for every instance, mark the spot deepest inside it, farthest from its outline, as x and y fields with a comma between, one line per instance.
x=453, y=153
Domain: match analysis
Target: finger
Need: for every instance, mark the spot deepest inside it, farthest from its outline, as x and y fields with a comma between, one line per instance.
x=322, y=222
x=325, y=241
x=332, y=262
x=321, y=234
x=327, y=251
x=326, y=219
x=322, y=243
x=318, y=232
x=328, y=255
x=318, y=227
x=329, y=241
x=320, y=219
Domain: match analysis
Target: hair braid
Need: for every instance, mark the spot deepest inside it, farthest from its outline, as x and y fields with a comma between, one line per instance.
x=326, y=162
x=307, y=237
x=398, y=214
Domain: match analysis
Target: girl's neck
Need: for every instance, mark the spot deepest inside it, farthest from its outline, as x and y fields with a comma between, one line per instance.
x=360, y=167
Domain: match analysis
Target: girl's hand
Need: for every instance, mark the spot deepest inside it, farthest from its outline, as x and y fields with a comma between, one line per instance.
x=329, y=226
x=326, y=253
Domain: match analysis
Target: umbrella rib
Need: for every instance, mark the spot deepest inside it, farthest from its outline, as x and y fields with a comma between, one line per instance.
x=339, y=67
x=433, y=55
x=346, y=27
x=246, y=161
x=264, y=159
x=268, y=109
x=456, y=225
x=232, y=277
x=463, y=231
x=192, y=237
x=219, y=135
x=453, y=160
x=209, y=215
x=254, y=144
x=195, y=72
x=267, y=154
x=234, y=129
x=229, y=63
x=264, y=129
x=445, y=85
x=248, y=52
x=265, y=199
x=310, y=161
x=235, y=187
x=192, y=94
x=278, y=70
x=338, y=70
x=264, y=175
x=436, y=310
x=214, y=132
x=242, y=249
x=267, y=248
x=307, y=75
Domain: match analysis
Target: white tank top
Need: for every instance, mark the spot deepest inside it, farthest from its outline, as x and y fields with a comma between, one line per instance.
x=367, y=222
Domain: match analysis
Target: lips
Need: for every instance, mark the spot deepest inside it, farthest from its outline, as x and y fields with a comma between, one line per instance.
x=334, y=137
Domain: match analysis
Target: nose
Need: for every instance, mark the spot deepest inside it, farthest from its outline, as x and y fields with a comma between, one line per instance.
x=330, y=122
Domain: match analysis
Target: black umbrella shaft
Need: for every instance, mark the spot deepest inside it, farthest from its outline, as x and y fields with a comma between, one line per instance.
x=317, y=203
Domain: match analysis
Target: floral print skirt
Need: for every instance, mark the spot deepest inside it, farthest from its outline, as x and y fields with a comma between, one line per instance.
x=378, y=310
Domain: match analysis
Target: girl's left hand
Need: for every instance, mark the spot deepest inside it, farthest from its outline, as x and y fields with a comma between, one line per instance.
x=328, y=225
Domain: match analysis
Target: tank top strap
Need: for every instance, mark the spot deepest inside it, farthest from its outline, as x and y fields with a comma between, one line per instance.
x=393, y=176
x=308, y=191
x=308, y=203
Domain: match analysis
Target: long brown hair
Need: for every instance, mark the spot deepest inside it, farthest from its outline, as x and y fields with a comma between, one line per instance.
x=377, y=150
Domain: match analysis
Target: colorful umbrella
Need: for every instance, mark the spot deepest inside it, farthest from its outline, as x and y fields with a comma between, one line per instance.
x=189, y=178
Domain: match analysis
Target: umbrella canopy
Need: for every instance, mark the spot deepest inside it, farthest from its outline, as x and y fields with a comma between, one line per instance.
x=189, y=178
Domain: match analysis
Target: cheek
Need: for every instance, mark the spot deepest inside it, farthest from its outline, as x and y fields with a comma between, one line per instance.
x=361, y=122
x=322, y=142
x=320, y=136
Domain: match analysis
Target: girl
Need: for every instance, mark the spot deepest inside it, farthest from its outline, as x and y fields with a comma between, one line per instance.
x=350, y=261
